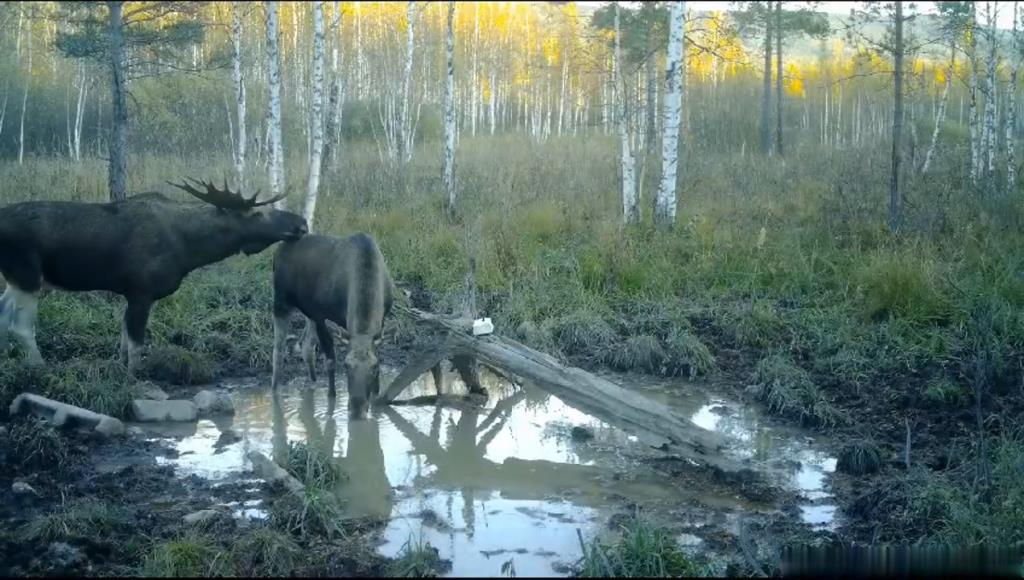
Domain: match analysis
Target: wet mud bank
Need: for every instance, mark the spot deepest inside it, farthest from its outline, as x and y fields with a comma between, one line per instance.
x=518, y=479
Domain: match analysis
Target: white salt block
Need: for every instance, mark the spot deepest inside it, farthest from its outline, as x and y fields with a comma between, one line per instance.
x=482, y=326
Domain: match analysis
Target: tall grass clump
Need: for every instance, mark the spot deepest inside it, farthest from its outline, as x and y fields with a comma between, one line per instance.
x=789, y=390
x=642, y=550
x=77, y=520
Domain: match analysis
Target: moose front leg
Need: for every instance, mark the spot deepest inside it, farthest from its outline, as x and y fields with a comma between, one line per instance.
x=136, y=316
x=327, y=348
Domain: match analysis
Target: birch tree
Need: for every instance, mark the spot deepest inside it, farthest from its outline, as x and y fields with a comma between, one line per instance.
x=406, y=138
x=766, y=82
x=449, y=114
x=315, y=157
x=28, y=83
x=239, y=82
x=337, y=96
x=895, y=201
x=675, y=70
x=630, y=205
x=1011, y=107
x=989, y=141
x=274, y=112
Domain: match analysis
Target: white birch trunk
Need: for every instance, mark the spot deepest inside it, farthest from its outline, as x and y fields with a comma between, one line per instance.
x=474, y=75
x=239, y=82
x=990, y=101
x=630, y=208
x=406, y=138
x=83, y=92
x=940, y=115
x=24, y=98
x=276, y=156
x=449, y=113
x=665, y=204
x=315, y=157
x=1011, y=110
x=972, y=53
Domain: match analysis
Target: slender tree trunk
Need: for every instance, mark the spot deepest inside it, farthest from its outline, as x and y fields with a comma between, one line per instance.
x=940, y=115
x=239, y=81
x=778, y=77
x=630, y=207
x=651, y=106
x=972, y=54
x=336, y=101
x=406, y=138
x=1011, y=108
x=766, y=95
x=276, y=142
x=83, y=91
x=990, y=101
x=118, y=175
x=675, y=67
x=24, y=98
x=895, y=203
x=316, y=154
x=448, y=170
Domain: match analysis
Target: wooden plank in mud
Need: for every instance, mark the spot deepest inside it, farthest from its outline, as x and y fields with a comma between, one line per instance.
x=634, y=413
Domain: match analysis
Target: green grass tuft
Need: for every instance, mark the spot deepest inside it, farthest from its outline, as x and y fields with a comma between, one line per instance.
x=264, y=551
x=191, y=555
x=859, y=458
x=788, y=389
x=80, y=519
x=32, y=445
x=176, y=365
x=417, y=560
x=642, y=550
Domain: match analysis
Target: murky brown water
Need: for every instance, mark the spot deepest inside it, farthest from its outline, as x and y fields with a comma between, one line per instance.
x=505, y=482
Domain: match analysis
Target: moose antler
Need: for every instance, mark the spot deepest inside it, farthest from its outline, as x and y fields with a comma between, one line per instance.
x=224, y=198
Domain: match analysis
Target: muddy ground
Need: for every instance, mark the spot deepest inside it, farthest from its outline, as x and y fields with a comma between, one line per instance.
x=153, y=502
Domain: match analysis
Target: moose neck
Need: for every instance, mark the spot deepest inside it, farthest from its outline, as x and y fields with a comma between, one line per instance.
x=209, y=236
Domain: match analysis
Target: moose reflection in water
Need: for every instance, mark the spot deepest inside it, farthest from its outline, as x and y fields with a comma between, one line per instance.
x=366, y=487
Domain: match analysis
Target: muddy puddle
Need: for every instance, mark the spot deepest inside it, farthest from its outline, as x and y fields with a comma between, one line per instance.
x=515, y=480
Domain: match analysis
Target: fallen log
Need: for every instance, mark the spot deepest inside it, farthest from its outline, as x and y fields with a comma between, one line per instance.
x=653, y=422
x=273, y=473
x=60, y=414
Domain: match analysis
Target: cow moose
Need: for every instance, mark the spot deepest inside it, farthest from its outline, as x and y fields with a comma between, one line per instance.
x=344, y=281
x=141, y=248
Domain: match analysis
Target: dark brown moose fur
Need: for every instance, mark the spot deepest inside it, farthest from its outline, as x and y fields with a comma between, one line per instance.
x=141, y=248
x=346, y=282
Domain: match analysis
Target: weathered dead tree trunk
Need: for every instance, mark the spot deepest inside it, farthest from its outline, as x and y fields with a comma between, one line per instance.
x=655, y=423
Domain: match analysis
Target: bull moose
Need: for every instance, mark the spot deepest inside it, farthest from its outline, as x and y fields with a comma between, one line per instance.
x=141, y=248
x=344, y=281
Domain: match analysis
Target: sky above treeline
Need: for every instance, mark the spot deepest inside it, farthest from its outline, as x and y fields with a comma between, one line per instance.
x=1004, y=9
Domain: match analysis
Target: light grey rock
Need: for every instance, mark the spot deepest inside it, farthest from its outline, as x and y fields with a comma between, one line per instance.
x=148, y=390
x=201, y=517
x=60, y=414
x=172, y=410
x=211, y=403
x=22, y=488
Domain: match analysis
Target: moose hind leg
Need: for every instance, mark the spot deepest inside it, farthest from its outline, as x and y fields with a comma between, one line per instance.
x=6, y=318
x=327, y=348
x=308, y=348
x=280, y=335
x=24, y=307
x=136, y=316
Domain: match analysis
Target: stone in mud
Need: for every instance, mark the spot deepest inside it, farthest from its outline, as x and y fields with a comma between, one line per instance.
x=148, y=390
x=23, y=489
x=136, y=431
x=211, y=403
x=201, y=517
x=60, y=414
x=580, y=433
x=61, y=556
x=174, y=410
